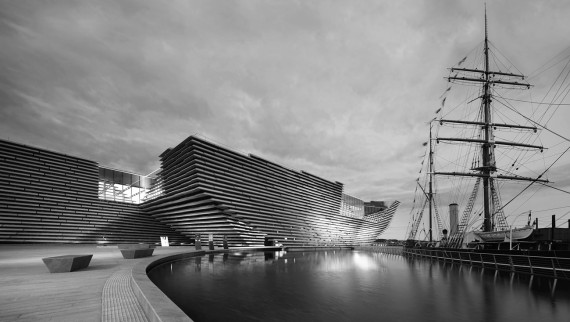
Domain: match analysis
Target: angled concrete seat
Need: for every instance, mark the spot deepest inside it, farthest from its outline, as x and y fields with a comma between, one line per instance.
x=134, y=246
x=136, y=252
x=67, y=263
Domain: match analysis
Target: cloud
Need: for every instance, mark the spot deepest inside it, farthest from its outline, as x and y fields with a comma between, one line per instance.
x=339, y=89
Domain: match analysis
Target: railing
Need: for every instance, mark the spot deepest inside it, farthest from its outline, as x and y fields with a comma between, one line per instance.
x=551, y=267
x=394, y=250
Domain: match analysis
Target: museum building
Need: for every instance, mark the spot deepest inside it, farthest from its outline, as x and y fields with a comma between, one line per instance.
x=201, y=190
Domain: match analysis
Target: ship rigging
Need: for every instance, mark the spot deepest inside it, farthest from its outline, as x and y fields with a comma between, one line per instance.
x=481, y=140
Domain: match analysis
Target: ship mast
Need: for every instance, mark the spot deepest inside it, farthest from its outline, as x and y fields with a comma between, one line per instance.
x=488, y=78
x=430, y=194
x=487, y=148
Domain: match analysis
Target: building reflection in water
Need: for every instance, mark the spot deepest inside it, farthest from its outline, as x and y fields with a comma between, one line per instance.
x=351, y=286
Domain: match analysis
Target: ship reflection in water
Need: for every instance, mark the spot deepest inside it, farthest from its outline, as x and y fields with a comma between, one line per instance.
x=352, y=286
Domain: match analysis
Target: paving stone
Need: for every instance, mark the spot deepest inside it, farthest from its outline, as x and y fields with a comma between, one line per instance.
x=100, y=292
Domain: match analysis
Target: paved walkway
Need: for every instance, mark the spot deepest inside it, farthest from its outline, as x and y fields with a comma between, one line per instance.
x=119, y=301
x=101, y=292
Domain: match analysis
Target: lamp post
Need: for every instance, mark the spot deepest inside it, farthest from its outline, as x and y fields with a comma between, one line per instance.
x=511, y=230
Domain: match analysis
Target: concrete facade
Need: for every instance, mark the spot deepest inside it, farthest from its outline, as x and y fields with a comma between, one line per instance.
x=201, y=189
x=50, y=197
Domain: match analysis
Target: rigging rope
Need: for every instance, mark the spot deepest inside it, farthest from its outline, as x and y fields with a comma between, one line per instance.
x=535, y=123
x=530, y=184
x=538, y=103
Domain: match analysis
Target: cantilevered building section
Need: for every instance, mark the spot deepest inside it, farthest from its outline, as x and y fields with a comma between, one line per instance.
x=209, y=189
x=201, y=189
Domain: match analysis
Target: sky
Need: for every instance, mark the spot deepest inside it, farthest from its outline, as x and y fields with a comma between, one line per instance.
x=341, y=89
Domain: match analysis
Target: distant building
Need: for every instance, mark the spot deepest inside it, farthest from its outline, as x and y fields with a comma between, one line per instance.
x=374, y=206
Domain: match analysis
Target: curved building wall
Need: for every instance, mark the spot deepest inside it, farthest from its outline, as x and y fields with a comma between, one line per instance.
x=52, y=197
x=209, y=189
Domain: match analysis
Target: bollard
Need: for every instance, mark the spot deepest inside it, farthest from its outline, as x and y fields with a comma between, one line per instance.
x=553, y=228
x=198, y=243
x=225, y=242
x=211, y=241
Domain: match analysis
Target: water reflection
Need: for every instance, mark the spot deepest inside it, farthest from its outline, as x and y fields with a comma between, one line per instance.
x=352, y=286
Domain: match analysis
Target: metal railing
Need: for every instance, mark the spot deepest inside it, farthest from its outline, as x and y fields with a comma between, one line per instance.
x=393, y=250
x=551, y=267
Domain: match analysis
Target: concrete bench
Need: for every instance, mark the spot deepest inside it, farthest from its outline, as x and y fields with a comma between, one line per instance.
x=136, y=252
x=130, y=251
x=134, y=246
x=67, y=263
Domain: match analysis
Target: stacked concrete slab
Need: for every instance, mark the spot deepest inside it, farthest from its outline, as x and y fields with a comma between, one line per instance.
x=48, y=197
x=205, y=190
x=209, y=189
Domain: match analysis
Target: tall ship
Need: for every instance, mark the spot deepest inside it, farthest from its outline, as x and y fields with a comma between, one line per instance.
x=484, y=143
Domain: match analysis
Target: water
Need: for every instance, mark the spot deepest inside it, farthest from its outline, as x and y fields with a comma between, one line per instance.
x=352, y=286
